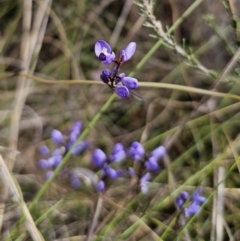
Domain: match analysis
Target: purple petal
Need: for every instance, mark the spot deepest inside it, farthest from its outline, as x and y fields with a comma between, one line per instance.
x=191, y=210
x=101, y=186
x=57, y=137
x=136, y=151
x=106, y=73
x=144, y=188
x=109, y=58
x=118, y=147
x=43, y=164
x=99, y=157
x=80, y=147
x=197, y=198
x=130, y=83
x=146, y=177
x=102, y=46
x=151, y=164
x=54, y=161
x=122, y=91
x=44, y=150
x=111, y=173
x=77, y=126
x=128, y=52
x=158, y=152
x=57, y=152
x=118, y=157
x=184, y=195
x=179, y=201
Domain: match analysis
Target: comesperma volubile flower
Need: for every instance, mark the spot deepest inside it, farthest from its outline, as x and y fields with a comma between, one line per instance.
x=57, y=137
x=112, y=78
x=128, y=52
x=106, y=73
x=159, y=152
x=44, y=150
x=195, y=204
x=144, y=182
x=122, y=91
x=182, y=198
x=100, y=186
x=64, y=144
x=130, y=83
x=192, y=209
x=118, y=153
x=197, y=198
x=99, y=157
x=151, y=164
x=136, y=151
x=104, y=52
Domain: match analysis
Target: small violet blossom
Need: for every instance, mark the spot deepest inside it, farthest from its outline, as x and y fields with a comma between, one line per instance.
x=120, y=83
x=100, y=160
x=50, y=162
x=136, y=151
x=195, y=204
x=104, y=52
x=144, y=182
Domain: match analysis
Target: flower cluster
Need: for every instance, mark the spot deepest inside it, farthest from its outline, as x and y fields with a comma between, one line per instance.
x=104, y=52
x=150, y=164
x=137, y=153
x=195, y=204
x=63, y=144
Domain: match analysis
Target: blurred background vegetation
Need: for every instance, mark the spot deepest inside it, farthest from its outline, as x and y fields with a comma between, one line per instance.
x=54, y=40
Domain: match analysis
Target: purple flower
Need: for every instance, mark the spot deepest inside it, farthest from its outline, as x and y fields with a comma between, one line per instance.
x=197, y=198
x=110, y=172
x=158, y=152
x=128, y=52
x=99, y=157
x=182, y=198
x=80, y=147
x=43, y=164
x=191, y=210
x=57, y=152
x=74, y=133
x=151, y=164
x=118, y=147
x=143, y=182
x=106, y=73
x=184, y=195
x=57, y=137
x=118, y=156
x=54, y=161
x=101, y=186
x=136, y=151
x=44, y=150
x=118, y=153
x=130, y=83
x=179, y=201
x=122, y=91
x=104, y=52
x=194, y=206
